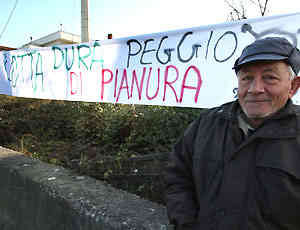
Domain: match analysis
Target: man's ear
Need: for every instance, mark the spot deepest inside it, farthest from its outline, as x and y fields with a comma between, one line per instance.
x=295, y=85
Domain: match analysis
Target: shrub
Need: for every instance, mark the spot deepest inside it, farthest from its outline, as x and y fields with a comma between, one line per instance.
x=81, y=135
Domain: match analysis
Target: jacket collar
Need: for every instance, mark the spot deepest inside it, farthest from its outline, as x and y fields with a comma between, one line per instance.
x=284, y=123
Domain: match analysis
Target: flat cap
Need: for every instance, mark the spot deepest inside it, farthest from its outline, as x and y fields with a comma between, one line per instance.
x=270, y=49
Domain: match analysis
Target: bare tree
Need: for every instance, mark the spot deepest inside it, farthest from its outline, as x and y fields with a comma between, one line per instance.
x=239, y=8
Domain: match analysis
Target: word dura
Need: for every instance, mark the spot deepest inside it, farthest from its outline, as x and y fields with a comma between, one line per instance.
x=84, y=55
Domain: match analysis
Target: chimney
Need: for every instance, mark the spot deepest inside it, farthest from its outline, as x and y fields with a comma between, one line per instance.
x=84, y=21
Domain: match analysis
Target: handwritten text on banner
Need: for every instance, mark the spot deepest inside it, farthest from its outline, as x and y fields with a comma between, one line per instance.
x=190, y=67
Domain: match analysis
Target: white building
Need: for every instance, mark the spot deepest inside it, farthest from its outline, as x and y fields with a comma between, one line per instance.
x=57, y=38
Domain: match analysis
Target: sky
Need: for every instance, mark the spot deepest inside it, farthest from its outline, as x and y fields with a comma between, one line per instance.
x=122, y=18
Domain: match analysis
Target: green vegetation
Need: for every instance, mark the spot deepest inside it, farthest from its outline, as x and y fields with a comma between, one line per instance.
x=105, y=141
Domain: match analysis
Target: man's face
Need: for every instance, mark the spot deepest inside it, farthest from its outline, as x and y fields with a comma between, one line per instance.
x=264, y=88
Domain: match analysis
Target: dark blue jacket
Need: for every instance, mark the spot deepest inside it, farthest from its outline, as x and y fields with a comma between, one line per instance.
x=217, y=179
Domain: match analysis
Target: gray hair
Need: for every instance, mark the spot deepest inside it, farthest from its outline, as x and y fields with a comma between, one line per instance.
x=292, y=73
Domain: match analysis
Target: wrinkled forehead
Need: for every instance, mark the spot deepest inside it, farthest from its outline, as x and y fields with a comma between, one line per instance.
x=264, y=65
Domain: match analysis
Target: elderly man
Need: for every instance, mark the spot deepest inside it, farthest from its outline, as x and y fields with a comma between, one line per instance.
x=237, y=167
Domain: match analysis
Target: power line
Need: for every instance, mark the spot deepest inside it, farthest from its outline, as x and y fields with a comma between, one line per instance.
x=9, y=17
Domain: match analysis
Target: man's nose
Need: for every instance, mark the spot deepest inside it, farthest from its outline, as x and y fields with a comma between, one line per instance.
x=257, y=86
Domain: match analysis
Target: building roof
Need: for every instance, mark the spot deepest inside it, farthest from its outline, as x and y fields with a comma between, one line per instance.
x=56, y=38
x=6, y=48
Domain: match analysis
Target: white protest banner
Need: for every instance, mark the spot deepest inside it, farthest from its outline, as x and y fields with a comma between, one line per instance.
x=190, y=67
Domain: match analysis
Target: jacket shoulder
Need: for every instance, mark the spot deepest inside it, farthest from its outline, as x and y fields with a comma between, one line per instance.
x=209, y=116
x=225, y=111
x=296, y=109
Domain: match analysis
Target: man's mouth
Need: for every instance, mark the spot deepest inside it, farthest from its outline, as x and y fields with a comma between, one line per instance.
x=256, y=101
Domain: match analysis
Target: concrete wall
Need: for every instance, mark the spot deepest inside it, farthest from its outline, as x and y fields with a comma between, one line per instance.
x=35, y=195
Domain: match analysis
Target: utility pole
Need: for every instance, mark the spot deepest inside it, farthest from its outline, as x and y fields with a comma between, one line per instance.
x=84, y=21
